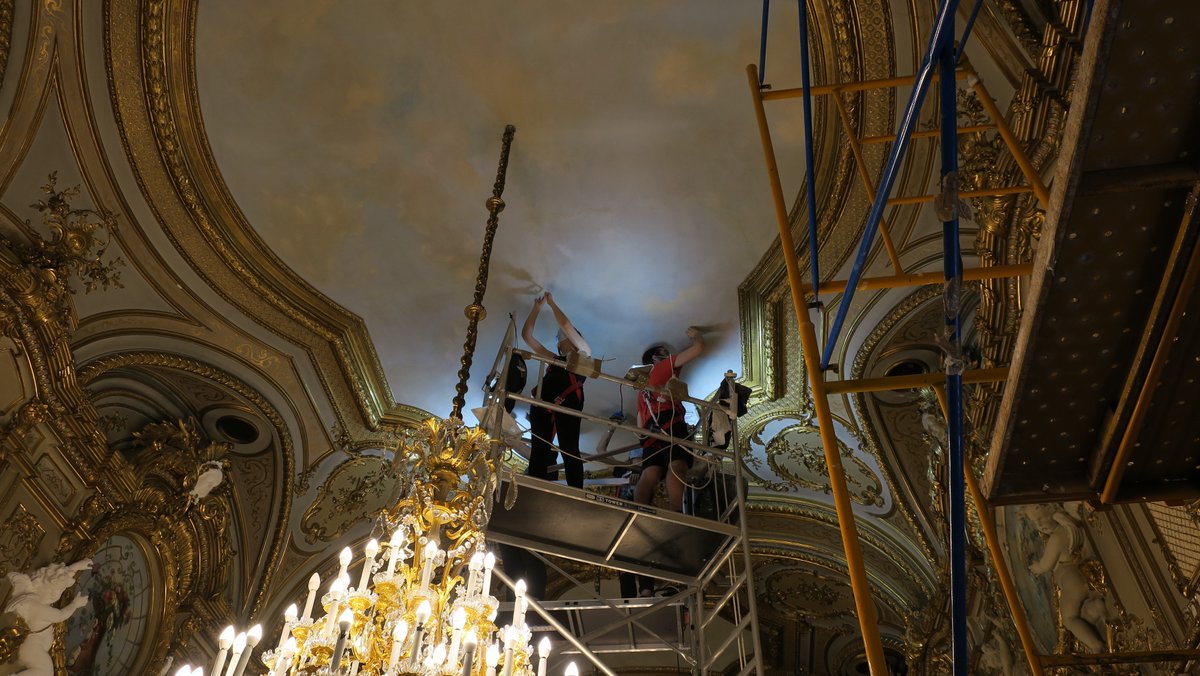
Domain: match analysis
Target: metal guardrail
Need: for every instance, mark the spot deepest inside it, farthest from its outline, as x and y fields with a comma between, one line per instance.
x=721, y=583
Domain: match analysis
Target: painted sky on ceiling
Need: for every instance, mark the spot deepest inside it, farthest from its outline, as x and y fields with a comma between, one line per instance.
x=360, y=140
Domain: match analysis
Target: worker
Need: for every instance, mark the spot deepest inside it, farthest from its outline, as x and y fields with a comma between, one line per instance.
x=561, y=387
x=660, y=412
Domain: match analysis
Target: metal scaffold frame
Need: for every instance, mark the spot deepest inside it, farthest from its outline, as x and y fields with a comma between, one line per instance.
x=714, y=578
x=943, y=56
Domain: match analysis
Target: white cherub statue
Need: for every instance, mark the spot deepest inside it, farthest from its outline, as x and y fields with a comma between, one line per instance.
x=1083, y=611
x=33, y=598
x=209, y=476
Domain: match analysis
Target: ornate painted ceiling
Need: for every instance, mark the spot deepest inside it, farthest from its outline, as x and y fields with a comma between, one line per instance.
x=299, y=192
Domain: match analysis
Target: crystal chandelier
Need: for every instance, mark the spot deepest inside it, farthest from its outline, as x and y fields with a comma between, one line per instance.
x=421, y=604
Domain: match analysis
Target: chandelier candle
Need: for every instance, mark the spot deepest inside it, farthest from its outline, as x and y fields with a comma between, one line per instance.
x=543, y=655
x=469, y=645
x=239, y=645
x=314, y=583
x=394, y=550
x=489, y=562
x=252, y=638
x=289, y=621
x=368, y=563
x=344, y=559
x=493, y=658
x=223, y=642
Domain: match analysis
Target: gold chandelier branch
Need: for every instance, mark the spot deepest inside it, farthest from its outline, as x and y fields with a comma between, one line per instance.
x=475, y=311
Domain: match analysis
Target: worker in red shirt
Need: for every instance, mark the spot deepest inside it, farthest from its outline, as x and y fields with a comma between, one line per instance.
x=659, y=412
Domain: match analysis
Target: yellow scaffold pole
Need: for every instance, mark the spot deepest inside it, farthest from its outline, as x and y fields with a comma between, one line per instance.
x=863, y=602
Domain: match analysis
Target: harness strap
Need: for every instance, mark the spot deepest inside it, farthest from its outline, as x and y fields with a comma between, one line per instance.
x=653, y=420
x=575, y=386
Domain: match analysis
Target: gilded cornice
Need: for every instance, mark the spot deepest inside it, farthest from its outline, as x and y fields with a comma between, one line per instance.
x=887, y=543
x=61, y=402
x=894, y=599
x=151, y=79
x=95, y=369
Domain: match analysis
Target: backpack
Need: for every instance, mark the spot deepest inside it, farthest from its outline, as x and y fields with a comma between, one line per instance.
x=515, y=379
x=720, y=422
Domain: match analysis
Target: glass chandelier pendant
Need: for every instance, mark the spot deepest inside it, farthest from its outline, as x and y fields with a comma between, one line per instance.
x=421, y=604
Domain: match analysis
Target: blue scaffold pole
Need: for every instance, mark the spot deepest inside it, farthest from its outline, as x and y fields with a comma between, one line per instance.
x=809, y=164
x=952, y=267
x=962, y=42
x=943, y=32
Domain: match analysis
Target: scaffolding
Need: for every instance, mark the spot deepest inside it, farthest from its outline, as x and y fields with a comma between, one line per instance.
x=941, y=65
x=707, y=619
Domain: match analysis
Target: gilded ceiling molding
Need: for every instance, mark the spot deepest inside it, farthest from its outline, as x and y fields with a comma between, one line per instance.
x=871, y=441
x=37, y=314
x=354, y=491
x=20, y=537
x=95, y=369
x=6, y=30
x=891, y=598
x=795, y=455
x=151, y=75
x=799, y=515
x=1019, y=21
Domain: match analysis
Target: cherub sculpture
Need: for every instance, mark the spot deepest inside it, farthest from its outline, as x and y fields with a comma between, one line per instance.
x=33, y=598
x=208, y=476
x=1083, y=611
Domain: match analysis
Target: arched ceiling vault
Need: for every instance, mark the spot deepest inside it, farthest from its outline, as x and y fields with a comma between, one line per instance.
x=300, y=208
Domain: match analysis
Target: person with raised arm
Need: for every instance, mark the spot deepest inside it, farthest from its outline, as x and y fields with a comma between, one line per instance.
x=561, y=387
x=659, y=412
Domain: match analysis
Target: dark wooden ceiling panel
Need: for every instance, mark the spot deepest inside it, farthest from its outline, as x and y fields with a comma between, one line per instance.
x=1111, y=273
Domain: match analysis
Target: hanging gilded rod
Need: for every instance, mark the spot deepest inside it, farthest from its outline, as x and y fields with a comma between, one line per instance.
x=1020, y=620
x=859, y=583
x=475, y=311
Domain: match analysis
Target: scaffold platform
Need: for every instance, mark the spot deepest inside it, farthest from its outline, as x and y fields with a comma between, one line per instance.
x=708, y=619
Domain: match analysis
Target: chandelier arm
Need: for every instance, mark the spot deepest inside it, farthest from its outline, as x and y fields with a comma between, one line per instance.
x=475, y=311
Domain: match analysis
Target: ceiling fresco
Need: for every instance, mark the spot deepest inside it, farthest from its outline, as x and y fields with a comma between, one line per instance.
x=364, y=163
